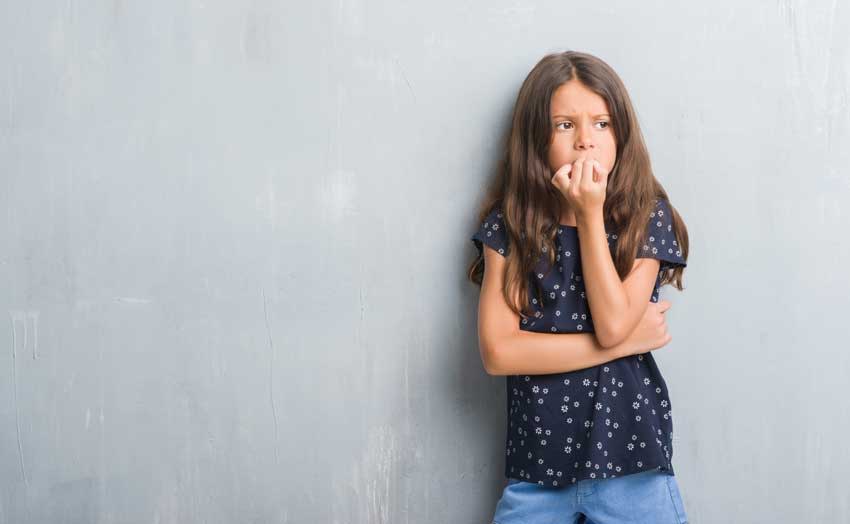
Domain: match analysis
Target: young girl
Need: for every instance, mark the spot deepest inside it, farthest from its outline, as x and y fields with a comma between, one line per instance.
x=581, y=238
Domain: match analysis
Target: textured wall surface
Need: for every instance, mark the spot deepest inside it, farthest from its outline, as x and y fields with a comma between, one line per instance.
x=234, y=237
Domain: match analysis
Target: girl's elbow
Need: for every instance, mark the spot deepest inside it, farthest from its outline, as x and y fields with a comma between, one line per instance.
x=608, y=337
x=490, y=360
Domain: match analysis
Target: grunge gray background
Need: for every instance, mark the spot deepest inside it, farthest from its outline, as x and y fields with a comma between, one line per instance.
x=234, y=237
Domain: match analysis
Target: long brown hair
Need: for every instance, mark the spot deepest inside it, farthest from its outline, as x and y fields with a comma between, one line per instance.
x=532, y=206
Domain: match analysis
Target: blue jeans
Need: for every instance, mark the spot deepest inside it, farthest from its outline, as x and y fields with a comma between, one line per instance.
x=648, y=497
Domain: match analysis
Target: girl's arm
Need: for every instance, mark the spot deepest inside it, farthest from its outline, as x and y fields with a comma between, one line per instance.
x=616, y=306
x=530, y=353
x=507, y=350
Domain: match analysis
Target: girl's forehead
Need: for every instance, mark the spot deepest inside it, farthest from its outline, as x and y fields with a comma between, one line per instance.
x=573, y=99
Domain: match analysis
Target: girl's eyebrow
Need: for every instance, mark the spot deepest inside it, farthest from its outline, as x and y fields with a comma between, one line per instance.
x=572, y=116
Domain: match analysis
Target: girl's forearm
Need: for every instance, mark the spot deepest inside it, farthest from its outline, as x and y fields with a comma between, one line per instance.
x=531, y=353
x=606, y=296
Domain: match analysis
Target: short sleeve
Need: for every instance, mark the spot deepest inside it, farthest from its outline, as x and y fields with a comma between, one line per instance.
x=492, y=232
x=660, y=240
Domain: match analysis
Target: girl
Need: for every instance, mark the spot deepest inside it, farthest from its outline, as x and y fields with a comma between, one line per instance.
x=579, y=234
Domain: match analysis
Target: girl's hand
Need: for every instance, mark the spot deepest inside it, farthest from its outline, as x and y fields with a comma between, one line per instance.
x=584, y=184
x=650, y=333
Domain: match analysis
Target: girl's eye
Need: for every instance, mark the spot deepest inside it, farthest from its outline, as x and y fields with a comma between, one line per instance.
x=607, y=124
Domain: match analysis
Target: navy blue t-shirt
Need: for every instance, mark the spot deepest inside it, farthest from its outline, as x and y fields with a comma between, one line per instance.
x=603, y=421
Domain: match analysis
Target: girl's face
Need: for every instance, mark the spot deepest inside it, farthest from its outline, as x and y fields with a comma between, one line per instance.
x=581, y=126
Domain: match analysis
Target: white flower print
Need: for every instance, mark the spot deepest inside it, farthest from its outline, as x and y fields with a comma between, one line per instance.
x=587, y=464
x=566, y=381
x=639, y=464
x=637, y=418
x=630, y=446
x=586, y=382
x=646, y=381
x=538, y=430
x=543, y=442
x=550, y=471
x=548, y=432
x=569, y=439
x=614, y=393
x=616, y=425
x=545, y=391
x=536, y=389
x=598, y=445
x=663, y=403
x=568, y=449
x=564, y=408
x=619, y=384
x=605, y=369
x=635, y=405
x=639, y=396
x=598, y=406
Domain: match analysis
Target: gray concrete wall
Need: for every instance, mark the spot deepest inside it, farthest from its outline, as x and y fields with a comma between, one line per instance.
x=234, y=237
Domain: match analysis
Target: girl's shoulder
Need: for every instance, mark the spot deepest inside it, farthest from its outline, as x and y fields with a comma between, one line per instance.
x=492, y=232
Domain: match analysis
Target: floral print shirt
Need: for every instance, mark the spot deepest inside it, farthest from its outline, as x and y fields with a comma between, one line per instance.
x=600, y=422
